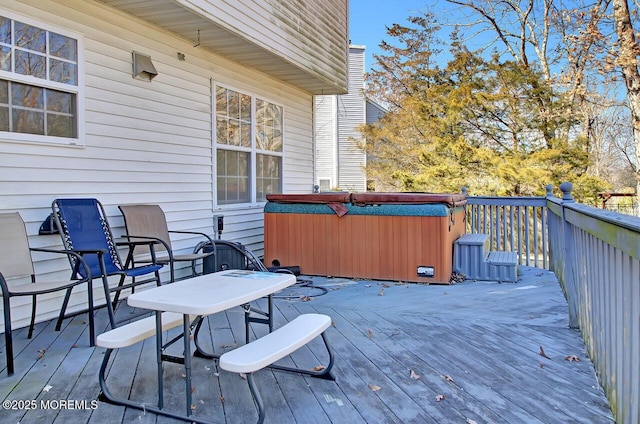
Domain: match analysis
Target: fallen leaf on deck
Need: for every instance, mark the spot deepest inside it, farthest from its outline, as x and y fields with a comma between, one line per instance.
x=333, y=324
x=47, y=388
x=193, y=407
x=74, y=346
x=541, y=365
x=448, y=378
x=374, y=388
x=41, y=353
x=381, y=292
x=306, y=298
x=318, y=368
x=385, y=285
x=544, y=355
x=222, y=399
x=572, y=358
x=440, y=397
x=414, y=375
x=369, y=334
x=193, y=389
x=243, y=376
x=470, y=421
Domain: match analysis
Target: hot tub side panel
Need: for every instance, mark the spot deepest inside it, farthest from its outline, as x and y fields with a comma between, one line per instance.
x=364, y=246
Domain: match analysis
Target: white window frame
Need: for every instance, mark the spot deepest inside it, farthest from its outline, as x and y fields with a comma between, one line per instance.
x=253, y=150
x=77, y=90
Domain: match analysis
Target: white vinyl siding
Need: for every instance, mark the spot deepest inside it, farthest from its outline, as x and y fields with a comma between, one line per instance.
x=302, y=43
x=326, y=133
x=294, y=30
x=145, y=142
x=337, y=118
x=352, y=114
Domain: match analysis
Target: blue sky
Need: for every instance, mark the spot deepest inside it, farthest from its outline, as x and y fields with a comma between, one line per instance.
x=368, y=21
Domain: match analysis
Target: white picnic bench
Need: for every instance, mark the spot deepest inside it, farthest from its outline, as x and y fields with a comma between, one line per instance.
x=266, y=350
x=214, y=296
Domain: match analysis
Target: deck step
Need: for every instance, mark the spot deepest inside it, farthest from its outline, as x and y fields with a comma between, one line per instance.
x=473, y=259
x=503, y=266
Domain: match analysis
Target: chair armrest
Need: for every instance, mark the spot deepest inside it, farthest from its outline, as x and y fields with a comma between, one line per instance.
x=199, y=245
x=132, y=241
x=141, y=241
x=77, y=254
x=128, y=240
x=193, y=232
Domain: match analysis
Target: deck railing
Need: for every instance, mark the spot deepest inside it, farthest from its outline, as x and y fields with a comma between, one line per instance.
x=516, y=224
x=596, y=256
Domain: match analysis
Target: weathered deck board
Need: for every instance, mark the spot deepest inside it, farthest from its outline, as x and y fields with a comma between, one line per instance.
x=476, y=343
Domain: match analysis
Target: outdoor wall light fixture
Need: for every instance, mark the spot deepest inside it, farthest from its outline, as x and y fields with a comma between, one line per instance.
x=143, y=68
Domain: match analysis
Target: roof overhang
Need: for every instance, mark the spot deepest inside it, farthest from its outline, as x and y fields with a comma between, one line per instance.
x=195, y=24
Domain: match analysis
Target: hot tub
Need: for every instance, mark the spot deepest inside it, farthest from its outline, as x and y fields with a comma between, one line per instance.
x=385, y=236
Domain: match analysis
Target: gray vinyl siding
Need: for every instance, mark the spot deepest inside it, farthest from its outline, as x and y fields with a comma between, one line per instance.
x=144, y=142
x=374, y=112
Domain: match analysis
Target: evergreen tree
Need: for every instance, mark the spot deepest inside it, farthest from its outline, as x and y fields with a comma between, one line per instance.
x=492, y=125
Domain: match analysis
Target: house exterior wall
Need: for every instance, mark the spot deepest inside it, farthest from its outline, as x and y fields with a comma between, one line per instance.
x=294, y=30
x=337, y=118
x=142, y=142
x=326, y=134
x=351, y=159
x=374, y=112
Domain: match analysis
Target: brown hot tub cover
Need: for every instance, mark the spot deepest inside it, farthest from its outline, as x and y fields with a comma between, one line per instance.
x=341, y=197
x=373, y=198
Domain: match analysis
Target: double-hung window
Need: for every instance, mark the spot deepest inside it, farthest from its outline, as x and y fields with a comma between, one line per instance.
x=39, y=87
x=249, y=142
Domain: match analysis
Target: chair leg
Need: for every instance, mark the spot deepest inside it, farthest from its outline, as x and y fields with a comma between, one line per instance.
x=107, y=293
x=114, y=303
x=63, y=309
x=8, y=337
x=33, y=316
x=92, y=327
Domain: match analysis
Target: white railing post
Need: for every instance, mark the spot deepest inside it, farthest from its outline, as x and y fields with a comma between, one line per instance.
x=569, y=259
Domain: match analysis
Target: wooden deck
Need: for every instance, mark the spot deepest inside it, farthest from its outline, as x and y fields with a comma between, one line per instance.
x=405, y=353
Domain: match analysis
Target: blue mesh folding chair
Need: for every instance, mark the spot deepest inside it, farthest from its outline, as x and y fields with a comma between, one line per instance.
x=84, y=229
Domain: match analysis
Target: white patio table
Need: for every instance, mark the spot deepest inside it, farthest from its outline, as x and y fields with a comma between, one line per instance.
x=201, y=296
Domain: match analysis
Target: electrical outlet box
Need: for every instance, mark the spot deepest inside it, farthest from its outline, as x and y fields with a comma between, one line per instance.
x=426, y=271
